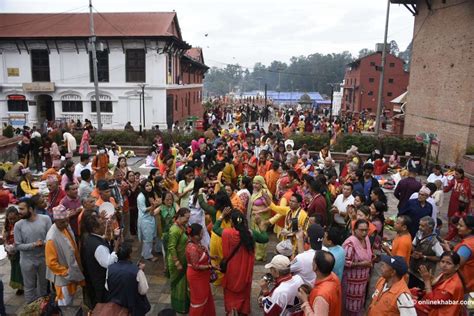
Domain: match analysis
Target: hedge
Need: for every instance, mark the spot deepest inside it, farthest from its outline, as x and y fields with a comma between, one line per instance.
x=128, y=138
x=368, y=143
x=314, y=141
x=8, y=131
x=365, y=143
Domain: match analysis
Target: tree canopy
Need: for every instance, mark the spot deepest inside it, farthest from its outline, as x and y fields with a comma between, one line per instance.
x=303, y=73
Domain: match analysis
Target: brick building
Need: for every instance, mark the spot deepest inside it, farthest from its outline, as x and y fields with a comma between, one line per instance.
x=46, y=69
x=441, y=94
x=361, y=83
x=186, y=100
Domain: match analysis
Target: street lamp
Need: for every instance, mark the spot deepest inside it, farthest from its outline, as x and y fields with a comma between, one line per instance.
x=382, y=74
x=332, y=99
x=142, y=104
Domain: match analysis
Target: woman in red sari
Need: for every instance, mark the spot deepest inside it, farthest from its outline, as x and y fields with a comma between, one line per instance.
x=237, y=280
x=198, y=274
x=461, y=193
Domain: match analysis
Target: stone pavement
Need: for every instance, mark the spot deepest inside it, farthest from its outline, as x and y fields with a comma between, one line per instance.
x=159, y=292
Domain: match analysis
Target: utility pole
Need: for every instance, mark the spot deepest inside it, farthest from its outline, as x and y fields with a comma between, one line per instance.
x=332, y=99
x=142, y=85
x=94, y=66
x=279, y=85
x=382, y=74
x=140, y=107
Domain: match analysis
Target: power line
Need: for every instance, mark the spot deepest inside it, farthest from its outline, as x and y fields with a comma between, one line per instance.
x=108, y=22
x=43, y=18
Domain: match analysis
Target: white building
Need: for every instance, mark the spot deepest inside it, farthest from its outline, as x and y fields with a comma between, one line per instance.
x=46, y=69
x=337, y=100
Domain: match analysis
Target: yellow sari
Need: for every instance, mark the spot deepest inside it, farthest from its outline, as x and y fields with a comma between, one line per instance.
x=216, y=248
x=260, y=249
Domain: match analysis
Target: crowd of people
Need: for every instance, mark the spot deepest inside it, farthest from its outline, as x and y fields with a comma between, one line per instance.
x=209, y=208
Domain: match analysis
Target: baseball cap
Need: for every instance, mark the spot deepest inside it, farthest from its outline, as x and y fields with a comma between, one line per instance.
x=278, y=262
x=285, y=248
x=316, y=234
x=397, y=263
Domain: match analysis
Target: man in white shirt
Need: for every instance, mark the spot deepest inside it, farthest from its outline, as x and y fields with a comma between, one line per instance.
x=85, y=163
x=96, y=258
x=302, y=264
x=283, y=296
x=437, y=175
x=85, y=187
x=343, y=200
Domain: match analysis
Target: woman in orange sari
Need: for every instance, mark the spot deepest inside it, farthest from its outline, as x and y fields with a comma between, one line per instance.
x=198, y=274
x=448, y=286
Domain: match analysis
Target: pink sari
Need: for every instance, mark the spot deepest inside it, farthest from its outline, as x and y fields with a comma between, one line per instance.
x=355, y=279
x=85, y=147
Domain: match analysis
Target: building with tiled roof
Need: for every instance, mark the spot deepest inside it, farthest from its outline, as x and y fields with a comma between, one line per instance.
x=46, y=69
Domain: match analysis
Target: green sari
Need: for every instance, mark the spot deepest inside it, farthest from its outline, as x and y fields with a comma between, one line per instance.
x=16, y=278
x=179, y=286
x=167, y=214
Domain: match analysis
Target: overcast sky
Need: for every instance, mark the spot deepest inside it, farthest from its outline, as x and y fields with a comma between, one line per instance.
x=250, y=31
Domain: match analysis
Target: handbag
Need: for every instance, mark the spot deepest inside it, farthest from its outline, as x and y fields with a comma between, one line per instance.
x=106, y=309
x=213, y=276
x=463, y=198
x=224, y=262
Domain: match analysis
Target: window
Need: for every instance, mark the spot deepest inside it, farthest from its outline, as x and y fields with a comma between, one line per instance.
x=371, y=80
x=390, y=80
x=391, y=65
x=170, y=69
x=372, y=63
x=17, y=103
x=135, y=65
x=102, y=66
x=40, y=65
x=371, y=93
x=72, y=106
x=105, y=106
x=389, y=94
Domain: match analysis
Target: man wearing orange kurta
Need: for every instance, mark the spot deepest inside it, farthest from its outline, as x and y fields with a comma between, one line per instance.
x=100, y=164
x=62, y=258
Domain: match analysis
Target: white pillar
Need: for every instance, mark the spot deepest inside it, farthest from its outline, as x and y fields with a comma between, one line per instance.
x=33, y=115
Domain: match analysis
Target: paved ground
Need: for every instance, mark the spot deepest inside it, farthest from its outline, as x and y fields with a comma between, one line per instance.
x=159, y=293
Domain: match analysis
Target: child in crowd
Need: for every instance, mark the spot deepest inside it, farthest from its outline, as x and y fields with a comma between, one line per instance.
x=438, y=196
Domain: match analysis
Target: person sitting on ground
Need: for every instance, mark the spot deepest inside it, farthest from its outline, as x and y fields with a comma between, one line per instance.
x=53, y=171
x=25, y=187
x=129, y=127
x=13, y=175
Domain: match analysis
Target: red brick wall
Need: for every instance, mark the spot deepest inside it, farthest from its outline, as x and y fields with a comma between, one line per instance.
x=187, y=102
x=366, y=92
x=441, y=95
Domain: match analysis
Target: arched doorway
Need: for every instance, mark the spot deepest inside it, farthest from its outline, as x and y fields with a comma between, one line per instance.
x=45, y=108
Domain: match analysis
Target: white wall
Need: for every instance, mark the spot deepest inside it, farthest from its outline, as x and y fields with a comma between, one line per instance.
x=69, y=71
